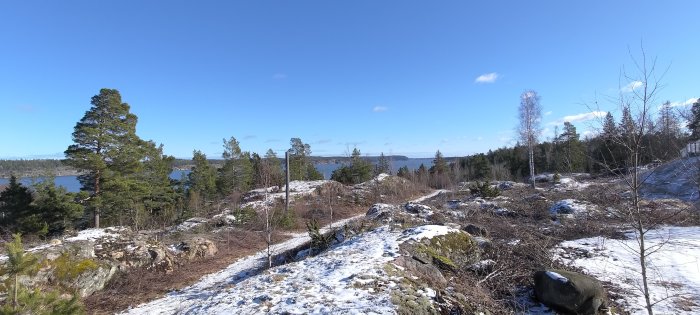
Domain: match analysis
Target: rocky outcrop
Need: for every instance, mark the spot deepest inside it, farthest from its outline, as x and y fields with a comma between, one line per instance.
x=87, y=261
x=569, y=291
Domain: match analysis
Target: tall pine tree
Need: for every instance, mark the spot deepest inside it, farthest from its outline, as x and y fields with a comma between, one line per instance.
x=104, y=145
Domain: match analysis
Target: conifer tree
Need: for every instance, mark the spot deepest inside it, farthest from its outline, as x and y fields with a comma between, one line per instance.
x=19, y=264
x=105, y=144
x=383, y=165
x=15, y=203
x=237, y=172
x=694, y=121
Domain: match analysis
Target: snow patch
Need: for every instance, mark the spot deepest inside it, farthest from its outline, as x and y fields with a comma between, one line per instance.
x=555, y=276
x=674, y=269
x=348, y=279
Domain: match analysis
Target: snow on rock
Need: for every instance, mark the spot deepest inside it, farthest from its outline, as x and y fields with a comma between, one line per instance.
x=296, y=188
x=189, y=224
x=556, y=276
x=84, y=235
x=379, y=210
x=421, y=210
x=568, y=183
x=676, y=179
x=348, y=279
x=94, y=234
x=674, y=270
x=569, y=206
x=304, y=186
x=381, y=177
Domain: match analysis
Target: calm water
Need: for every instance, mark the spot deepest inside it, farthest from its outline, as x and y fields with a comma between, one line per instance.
x=71, y=182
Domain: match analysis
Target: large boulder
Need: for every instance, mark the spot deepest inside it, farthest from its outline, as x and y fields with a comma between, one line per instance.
x=197, y=247
x=569, y=291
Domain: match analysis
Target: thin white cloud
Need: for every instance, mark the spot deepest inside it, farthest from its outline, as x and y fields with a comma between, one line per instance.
x=579, y=117
x=487, y=78
x=632, y=86
x=379, y=109
x=690, y=101
x=279, y=76
x=548, y=113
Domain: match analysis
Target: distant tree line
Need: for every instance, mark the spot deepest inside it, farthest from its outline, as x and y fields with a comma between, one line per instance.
x=603, y=153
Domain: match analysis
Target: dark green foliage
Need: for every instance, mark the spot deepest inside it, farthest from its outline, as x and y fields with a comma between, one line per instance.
x=484, y=189
x=439, y=172
x=359, y=170
x=403, y=172
x=21, y=300
x=300, y=165
x=570, y=150
x=237, y=173
x=319, y=242
x=201, y=183
x=694, y=122
x=123, y=173
x=383, y=165
x=15, y=203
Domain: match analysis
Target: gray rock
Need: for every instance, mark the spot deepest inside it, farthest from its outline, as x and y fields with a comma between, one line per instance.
x=420, y=268
x=476, y=230
x=569, y=291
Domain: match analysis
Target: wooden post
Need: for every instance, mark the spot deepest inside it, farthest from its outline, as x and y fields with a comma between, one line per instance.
x=286, y=193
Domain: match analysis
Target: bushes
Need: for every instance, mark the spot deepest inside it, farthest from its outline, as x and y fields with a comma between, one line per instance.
x=484, y=189
x=319, y=242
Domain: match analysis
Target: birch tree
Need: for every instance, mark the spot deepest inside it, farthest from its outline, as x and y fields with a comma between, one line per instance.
x=530, y=114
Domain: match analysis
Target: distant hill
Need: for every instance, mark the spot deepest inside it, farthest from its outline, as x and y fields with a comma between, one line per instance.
x=34, y=168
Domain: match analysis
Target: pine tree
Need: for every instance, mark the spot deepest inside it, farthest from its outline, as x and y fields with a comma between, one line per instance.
x=201, y=181
x=383, y=165
x=574, y=155
x=237, y=172
x=627, y=125
x=19, y=264
x=609, y=128
x=694, y=122
x=55, y=206
x=403, y=172
x=105, y=145
x=300, y=165
x=273, y=165
x=15, y=203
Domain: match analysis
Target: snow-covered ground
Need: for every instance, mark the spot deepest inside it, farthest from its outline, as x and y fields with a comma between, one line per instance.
x=676, y=179
x=348, y=279
x=674, y=268
x=428, y=196
x=296, y=188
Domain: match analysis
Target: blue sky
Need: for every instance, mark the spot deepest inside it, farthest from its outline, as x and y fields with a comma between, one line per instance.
x=399, y=77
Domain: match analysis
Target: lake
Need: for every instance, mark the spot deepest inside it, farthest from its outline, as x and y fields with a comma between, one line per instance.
x=71, y=182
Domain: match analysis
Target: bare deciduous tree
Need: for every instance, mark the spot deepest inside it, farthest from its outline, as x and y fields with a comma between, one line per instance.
x=637, y=97
x=530, y=114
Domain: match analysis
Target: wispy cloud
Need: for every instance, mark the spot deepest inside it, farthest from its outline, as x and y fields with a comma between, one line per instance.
x=272, y=140
x=579, y=117
x=487, y=78
x=632, y=86
x=279, y=76
x=379, y=109
x=248, y=137
x=690, y=101
x=548, y=113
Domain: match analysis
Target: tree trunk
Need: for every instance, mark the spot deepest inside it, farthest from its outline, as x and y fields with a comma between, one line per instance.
x=14, y=298
x=532, y=164
x=97, y=192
